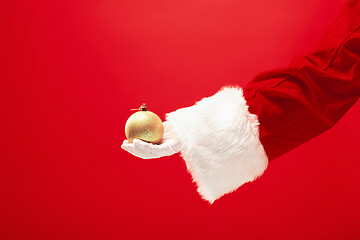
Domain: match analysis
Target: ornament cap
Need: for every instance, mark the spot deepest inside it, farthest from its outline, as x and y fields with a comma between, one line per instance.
x=143, y=107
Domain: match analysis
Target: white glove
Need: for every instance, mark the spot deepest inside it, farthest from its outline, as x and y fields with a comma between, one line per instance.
x=169, y=145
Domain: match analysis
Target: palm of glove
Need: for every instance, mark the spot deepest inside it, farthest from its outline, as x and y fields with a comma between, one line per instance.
x=169, y=145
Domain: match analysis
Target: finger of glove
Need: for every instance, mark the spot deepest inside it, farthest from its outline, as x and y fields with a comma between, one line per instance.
x=151, y=149
x=126, y=145
x=157, y=150
x=137, y=151
x=160, y=150
x=141, y=149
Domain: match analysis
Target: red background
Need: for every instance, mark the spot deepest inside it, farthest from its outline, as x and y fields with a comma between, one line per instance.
x=70, y=72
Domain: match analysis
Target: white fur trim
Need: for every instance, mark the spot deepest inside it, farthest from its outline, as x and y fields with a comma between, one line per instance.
x=220, y=142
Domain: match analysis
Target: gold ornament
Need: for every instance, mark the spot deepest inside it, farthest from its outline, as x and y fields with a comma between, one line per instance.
x=144, y=125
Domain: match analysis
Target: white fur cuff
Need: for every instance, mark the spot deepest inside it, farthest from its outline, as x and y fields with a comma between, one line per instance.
x=220, y=142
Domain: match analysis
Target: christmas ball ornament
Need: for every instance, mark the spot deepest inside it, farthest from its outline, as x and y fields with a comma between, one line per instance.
x=144, y=125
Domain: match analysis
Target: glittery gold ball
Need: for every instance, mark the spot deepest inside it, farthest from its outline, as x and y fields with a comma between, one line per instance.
x=144, y=125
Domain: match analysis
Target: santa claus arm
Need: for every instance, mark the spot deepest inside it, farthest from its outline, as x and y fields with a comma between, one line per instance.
x=227, y=139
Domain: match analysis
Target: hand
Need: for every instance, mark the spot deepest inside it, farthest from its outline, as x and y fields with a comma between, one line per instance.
x=169, y=145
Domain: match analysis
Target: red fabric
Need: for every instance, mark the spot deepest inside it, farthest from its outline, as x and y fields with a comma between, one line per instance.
x=300, y=102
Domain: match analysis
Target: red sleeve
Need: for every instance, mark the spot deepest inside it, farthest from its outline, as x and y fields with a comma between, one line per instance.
x=298, y=103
